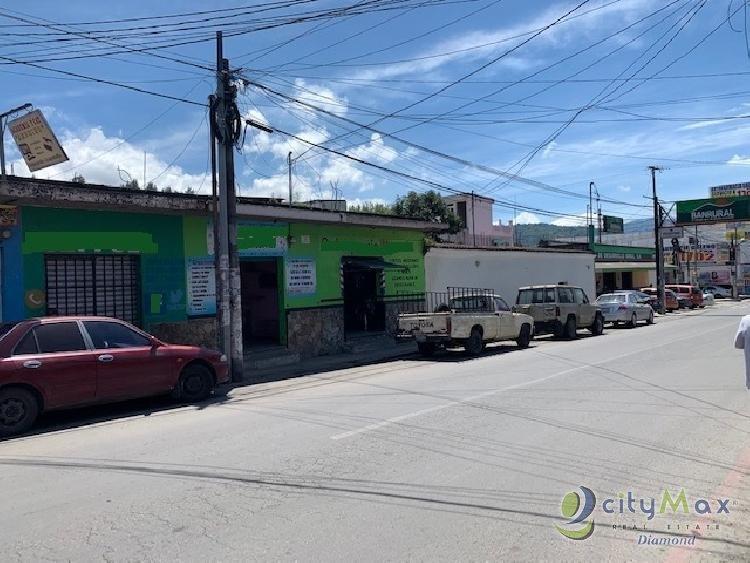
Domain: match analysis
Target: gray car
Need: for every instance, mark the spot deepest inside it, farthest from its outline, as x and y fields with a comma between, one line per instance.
x=625, y=308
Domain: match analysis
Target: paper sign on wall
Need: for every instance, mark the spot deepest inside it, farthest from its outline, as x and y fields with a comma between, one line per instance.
x=201, y=287
x=300, y=276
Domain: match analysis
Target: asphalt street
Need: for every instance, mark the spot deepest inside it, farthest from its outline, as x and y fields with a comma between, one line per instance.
x=447, y=459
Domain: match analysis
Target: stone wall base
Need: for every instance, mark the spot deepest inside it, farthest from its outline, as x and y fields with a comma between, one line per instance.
x=196, y=332
x=316, y=332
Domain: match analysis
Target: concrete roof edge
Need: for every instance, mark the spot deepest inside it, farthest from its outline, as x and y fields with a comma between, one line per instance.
x=58, y=193
x=511, y=249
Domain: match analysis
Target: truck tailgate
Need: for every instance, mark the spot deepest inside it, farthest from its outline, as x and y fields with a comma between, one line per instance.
x=427, y=323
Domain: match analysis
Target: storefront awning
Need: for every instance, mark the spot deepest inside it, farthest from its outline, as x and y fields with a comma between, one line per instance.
x=371, y=264
x=627, y=266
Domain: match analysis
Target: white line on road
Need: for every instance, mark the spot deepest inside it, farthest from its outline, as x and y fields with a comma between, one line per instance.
x=397, y=419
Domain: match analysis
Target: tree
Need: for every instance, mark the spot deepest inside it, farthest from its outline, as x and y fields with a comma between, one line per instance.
x=189, y=190
x=427, y=206
x=78, y=179
x=371, y=207
x=151, y=187
x=132, y=184
x=167, y=189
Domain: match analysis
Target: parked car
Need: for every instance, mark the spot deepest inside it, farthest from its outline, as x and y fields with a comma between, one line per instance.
x=470, y=321
x=559, y=309
x=718, y=292
x=62, y=362
x=688, y=295
x=619, y=308
x=708, y=298
x=670, y=297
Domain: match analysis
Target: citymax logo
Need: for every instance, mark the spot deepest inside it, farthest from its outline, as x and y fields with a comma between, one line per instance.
x=579, y=507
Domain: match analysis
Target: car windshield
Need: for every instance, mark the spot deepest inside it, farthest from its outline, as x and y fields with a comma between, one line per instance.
x=612, y=298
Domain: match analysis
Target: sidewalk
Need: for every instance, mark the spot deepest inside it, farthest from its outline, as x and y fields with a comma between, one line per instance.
x=364, y=352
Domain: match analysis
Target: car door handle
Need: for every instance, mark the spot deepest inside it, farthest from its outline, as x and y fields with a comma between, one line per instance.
x=32, y=364
x=106, y=358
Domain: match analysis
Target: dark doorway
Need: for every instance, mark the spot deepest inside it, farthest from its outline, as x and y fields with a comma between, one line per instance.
x=364, y=311
x=260, y=303
x=609, y=282
x=627, y=280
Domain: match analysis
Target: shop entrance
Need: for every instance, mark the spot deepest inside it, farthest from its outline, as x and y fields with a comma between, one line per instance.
x=364, y=310
x=261, y=318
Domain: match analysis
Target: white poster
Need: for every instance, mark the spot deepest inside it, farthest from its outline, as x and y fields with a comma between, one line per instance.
x=300, y=276
x=201, y=287
x=36, y=141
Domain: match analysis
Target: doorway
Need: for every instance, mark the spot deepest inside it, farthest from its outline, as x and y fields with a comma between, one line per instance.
x=364, y=311
x=261, y=326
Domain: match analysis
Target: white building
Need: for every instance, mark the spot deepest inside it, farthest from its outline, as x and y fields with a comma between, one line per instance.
x=504, y=270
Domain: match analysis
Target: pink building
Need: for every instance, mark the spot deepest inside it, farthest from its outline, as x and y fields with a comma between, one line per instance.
x=475, y=213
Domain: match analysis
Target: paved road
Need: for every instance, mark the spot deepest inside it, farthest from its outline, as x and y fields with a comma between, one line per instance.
x=452, y=459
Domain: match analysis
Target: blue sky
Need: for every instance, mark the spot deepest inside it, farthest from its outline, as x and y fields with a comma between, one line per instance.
x=663, y=110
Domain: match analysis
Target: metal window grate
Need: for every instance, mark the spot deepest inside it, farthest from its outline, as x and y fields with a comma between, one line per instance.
x=93, y=284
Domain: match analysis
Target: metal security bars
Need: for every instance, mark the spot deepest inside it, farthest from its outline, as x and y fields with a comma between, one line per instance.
x=458, y=299
x=93, y=284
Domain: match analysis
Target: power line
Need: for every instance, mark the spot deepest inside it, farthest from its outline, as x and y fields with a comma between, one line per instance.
x=185, y=148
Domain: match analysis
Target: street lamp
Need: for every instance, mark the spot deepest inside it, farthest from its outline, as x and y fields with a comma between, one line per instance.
x=3, y=119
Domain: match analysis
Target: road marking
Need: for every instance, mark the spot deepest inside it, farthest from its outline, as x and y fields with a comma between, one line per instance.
x=415, y=414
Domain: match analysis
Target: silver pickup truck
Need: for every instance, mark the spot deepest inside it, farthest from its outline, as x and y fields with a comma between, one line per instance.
x=467, y=321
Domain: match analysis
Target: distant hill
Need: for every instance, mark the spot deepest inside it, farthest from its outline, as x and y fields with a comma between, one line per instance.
x=530, y=235
x=639, y=226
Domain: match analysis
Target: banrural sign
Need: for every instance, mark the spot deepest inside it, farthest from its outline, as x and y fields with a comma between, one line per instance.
x=721, y=210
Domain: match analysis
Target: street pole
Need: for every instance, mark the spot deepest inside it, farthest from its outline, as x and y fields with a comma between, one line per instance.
x=659, y=255
x=289, y=162
x=473, y=226
x=590, y=227
x=212, y=135
x=735, y=281
x=229, y=292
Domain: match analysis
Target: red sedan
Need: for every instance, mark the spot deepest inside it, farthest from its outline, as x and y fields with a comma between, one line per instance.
x=61, y=362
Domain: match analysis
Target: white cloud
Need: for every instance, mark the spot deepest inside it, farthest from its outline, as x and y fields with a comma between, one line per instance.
x=481, y=44
x=624, y=189
x=738, y=159
x=97, y=157
x=570, y=221
x=320, y=96
x=526, y=218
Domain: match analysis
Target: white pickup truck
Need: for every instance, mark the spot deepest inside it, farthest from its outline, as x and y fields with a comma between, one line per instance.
x=468, y=321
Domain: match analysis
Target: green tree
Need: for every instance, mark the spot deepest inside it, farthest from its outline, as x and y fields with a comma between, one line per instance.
x=132, y=185
x=78, y=179
x=189, y=190
x=371, y=207
x=167, y=189
x=427, y=206
x=151, y=187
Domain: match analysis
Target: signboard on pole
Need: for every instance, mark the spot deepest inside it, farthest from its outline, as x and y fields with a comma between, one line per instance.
x=612, y=224
x=707, y=211
x=672, y=232
x=36, y=141
x=730, y=190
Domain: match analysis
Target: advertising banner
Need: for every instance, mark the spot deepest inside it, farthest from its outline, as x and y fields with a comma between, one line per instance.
x=36, y=141
x=707, y=211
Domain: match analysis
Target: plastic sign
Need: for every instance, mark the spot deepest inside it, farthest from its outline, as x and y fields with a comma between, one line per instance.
x=36, y=141
x=730, y=190
x=707, y=211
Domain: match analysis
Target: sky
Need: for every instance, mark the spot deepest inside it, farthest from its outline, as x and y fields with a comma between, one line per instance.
x=525, y=102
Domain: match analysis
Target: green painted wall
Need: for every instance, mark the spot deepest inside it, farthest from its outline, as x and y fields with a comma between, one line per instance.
x=157, y=239
x=166, y=243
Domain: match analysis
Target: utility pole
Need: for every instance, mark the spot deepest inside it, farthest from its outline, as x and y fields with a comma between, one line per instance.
x=590, y=218
x=227, y=131
x=598, y=216
x=735, y=253
x=659, y=254
x=289, y=162
x=473, y=226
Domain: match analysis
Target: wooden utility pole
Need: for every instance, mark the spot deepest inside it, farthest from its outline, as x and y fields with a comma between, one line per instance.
x=659, y=254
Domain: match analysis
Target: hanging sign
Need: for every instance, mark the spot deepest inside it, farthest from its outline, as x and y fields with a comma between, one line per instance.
x=36, y=141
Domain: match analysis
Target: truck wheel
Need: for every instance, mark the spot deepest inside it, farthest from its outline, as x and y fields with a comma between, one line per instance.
x=598, y=327
x=571, y=328
x=524, y=338
x=559, y=330
x=426, y=348
x=474, y=344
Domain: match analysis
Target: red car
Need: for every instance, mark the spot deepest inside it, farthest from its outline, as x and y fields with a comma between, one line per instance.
x=60, y=362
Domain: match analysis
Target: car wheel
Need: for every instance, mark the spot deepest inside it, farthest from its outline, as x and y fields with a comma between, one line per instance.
x=18, y=411
x=524, y=338
x=650, y=319
x=426, y=348
x=598, y=327
x=633, y=321
x=195, y=384
x=474, y=344
x=571, y=328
